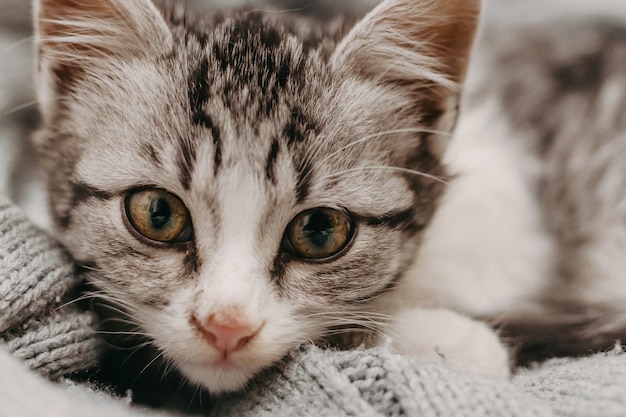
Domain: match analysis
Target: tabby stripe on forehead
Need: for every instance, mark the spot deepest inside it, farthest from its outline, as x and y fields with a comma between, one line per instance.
x=270, y=165
x=199, y=92
x=303, y=183
x=298, y=127
x=186, y=162
x=217, y=144
x=151, y=153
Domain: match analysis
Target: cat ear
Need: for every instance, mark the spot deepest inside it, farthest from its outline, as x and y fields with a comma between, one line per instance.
x=74, y=36
x=421, y=45
x=79, y=31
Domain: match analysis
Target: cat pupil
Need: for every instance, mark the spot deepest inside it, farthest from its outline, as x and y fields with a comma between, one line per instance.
x=317, y=228
x=160, y=213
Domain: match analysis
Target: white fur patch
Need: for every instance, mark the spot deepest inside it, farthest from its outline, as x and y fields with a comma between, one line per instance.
x=456, y=341
x=486, y=248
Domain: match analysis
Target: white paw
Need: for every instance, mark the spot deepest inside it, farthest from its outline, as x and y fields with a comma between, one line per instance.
x=443, y=336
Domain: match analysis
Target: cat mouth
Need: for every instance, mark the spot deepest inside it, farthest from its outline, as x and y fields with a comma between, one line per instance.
x=225, y=361
x=221, y=374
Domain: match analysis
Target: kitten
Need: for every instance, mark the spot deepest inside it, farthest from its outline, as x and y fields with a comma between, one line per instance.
x=244, y=183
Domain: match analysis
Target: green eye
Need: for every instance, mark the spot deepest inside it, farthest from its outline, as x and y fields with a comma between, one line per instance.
x=318, y=233
x=159, y=216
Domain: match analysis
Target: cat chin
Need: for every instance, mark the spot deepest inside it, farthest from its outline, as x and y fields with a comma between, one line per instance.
x=220, y=378
x=204, y=366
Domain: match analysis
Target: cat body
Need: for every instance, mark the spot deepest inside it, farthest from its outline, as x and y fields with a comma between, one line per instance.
x=539, y=192
x=242, y=184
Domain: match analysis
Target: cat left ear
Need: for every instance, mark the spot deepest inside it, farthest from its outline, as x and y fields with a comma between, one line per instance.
x=78, y=31
x=77, y=36
x=421, y=45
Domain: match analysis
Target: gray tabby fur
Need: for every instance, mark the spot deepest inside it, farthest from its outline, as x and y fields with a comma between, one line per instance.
x=569, y=103
x=251, y=118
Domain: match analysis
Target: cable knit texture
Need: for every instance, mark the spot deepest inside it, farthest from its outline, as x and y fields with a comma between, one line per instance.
x=43, y=331
x=36, y=276
x=375, y=383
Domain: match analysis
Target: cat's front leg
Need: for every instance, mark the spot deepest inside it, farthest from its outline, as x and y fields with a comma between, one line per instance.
x=449, y=338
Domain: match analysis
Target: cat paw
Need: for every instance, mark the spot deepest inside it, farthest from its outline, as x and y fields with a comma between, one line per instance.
x=445, y=337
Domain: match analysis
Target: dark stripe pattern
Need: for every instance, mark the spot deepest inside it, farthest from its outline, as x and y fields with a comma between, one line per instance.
x=79, y=193
x=270, y=165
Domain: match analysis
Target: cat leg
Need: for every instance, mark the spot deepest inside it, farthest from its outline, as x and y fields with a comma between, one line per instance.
x=443, y=336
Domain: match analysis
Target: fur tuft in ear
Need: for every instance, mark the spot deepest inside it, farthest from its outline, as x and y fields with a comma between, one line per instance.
x=419, y=45
x=420, y=40
x=74, y=32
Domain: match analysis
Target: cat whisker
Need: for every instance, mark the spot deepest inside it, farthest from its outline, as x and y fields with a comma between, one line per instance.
x=89, y=267
x=347, y=330
x=87, y=296
x=113, y=297
x=116, y=304
x=386, y=168
x=364, y=314
x=279, y=11
x=134, y=348
x=357, y=316
x=32, y=103
x=329, y=324
x=121, y=333
x=121, y=321
x=367, y=323
x=368, y=138
x=20, y=107
x=369, y=315
x=11, y=48
x=196, y=391
x=168, y=367
x=384, y=133
x=149, y=364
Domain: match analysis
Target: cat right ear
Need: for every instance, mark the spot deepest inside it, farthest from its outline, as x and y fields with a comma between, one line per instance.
x=420, y=46
x=76, y=35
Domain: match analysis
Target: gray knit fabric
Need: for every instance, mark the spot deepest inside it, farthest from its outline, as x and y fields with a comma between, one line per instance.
x=55, y=338
x=593, y=386
x=36, y=277
x=375, y=383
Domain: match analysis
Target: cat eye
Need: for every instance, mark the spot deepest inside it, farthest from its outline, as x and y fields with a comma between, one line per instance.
x=158, y=216
x=318, y=233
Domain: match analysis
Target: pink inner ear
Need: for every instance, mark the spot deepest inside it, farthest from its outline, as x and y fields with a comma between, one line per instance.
x=452, y=34
x=60, y=17
x=78, y=28
x=413, y=34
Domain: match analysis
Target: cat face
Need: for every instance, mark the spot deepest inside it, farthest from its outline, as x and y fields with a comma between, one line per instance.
x=241, y=185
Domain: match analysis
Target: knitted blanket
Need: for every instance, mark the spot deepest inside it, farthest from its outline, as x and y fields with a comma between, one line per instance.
x=45, y=337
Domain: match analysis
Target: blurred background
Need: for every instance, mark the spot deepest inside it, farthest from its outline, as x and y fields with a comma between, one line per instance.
x=18, y=110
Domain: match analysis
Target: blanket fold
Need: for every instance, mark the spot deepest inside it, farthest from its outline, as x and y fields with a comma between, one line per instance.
x=38, y=322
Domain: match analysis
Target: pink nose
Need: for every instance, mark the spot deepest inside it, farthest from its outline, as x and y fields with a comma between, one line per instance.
x=225, y=333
